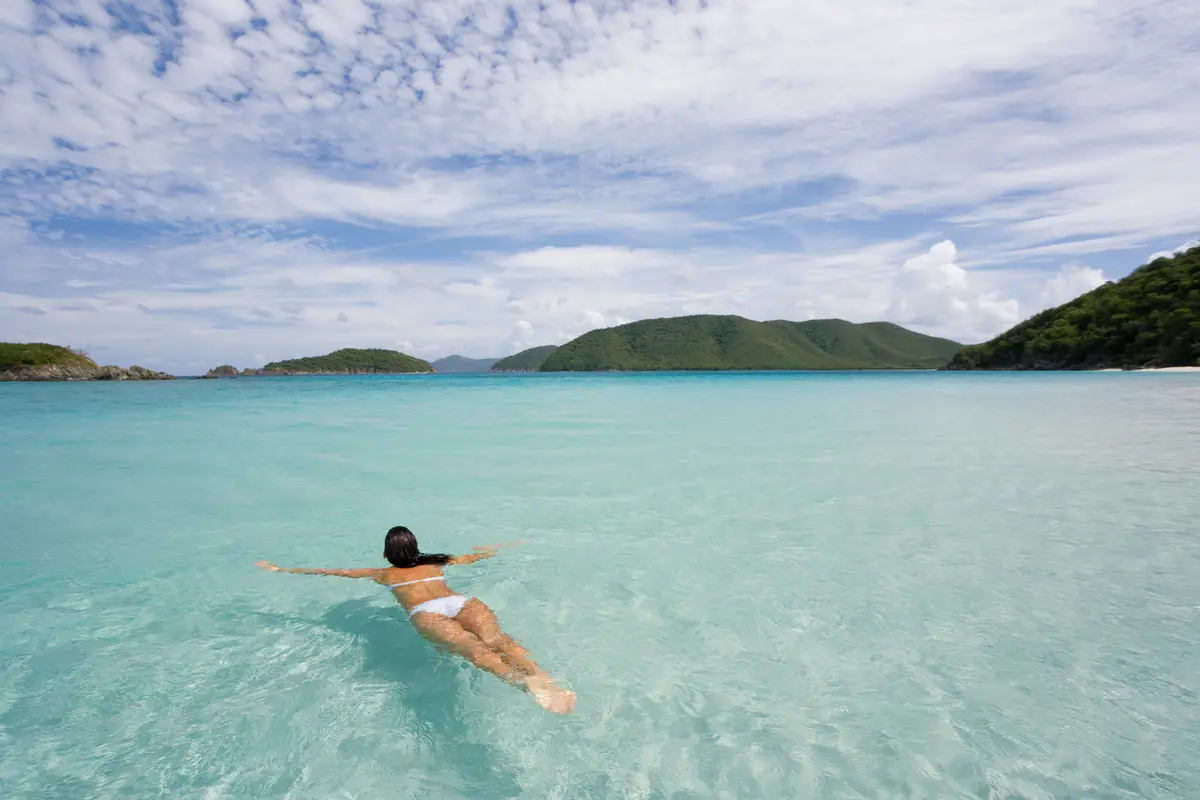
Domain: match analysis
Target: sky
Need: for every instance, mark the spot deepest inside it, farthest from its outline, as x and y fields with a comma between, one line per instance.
x=185, y=184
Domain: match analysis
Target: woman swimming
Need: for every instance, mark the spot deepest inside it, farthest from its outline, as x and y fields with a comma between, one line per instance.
x=462, y=624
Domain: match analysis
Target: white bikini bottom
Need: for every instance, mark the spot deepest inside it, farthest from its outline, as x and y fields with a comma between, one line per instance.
x=448, y=606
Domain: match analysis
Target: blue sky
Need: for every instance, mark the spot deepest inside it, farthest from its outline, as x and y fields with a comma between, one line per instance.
x=190, y=183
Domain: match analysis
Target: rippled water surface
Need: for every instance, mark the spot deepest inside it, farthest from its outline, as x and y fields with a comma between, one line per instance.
x=761, y=586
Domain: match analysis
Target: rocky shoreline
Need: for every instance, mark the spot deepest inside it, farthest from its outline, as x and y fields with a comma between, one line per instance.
x=61, y=372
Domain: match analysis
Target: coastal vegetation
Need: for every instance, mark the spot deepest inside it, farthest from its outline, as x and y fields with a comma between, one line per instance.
x=349, y=361
x=530, y=360
x=1151, y=318
x=37, y=354
x=459, y=364
x=50, y=362
x=708, y=342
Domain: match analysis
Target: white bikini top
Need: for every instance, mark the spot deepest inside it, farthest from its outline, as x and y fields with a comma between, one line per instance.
x=418, y=580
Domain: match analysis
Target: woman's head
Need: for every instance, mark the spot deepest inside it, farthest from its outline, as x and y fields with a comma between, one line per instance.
x=401, y=550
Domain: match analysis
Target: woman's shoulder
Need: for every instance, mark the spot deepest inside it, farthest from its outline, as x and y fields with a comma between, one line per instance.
x=401, y=574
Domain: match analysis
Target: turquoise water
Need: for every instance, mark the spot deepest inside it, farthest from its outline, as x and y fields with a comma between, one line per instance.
x=761, y=586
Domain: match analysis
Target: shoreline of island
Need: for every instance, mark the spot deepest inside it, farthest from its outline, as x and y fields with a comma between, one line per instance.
x=1088, y=334
x=1147, y=369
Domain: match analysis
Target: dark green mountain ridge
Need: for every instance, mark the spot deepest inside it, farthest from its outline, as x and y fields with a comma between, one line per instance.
x=460, y=364
x=1150, y=318
x=530, y=360
x=711, y=342
x=350, y=361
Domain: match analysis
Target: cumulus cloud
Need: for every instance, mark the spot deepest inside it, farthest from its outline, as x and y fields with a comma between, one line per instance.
x=592, y=319
x=522, y=336
x=1071, y=281
x=932, y=292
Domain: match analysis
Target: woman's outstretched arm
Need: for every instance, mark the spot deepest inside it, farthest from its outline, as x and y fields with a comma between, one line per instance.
x=471, y=558
x=482, y=551
x=367, y=572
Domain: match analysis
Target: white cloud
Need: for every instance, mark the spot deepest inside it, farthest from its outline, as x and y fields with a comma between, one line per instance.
x=1071, y=281
x=13, y=231
x=592, y=318
x=1027, y=120
x=933, y=293
x=585, y=262
x=522, y=337
x=1188, y=245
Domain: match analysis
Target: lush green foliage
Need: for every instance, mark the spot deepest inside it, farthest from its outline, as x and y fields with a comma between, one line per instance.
x=733, y=343
x=1149, y=319
x=463, y=364
x=353, y=361
x=525, y=361
x=20, y=356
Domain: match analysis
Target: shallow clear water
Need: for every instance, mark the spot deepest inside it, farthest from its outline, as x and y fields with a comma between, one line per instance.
x=805, y=585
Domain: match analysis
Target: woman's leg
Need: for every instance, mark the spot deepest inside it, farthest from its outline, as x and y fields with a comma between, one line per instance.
x=446, y=631
x=478, y=619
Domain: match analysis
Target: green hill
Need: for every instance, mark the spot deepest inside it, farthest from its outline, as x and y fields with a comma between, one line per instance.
x=525, y=361
x=16, y=357
x=350, y=361
x=1151, y=318
x=463, y=364
x=50, y=362
x=708, y=342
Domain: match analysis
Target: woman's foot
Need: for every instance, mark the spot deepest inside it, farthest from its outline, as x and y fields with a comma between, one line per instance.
x=550, y=695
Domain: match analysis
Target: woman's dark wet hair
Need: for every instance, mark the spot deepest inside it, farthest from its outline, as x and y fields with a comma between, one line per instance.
x=400, y=548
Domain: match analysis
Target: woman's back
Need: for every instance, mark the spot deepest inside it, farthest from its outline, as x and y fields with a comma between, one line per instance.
x=415, y=585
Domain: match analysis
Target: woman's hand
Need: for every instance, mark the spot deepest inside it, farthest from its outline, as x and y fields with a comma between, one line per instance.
x=269, y=566
x=491, y=548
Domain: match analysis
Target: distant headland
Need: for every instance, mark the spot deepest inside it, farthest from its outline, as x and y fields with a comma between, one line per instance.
x=1148, y=320
x=530, y=360
x=462, y=365
x=50, y=362
x=350, y=361
x=710, y=342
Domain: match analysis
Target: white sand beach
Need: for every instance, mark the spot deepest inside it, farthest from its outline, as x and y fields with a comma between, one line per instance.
x=1154, y=369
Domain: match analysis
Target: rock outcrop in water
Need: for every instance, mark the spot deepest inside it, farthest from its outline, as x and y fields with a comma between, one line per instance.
x=50, y=362
x=223, y=371
x=55, y=372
